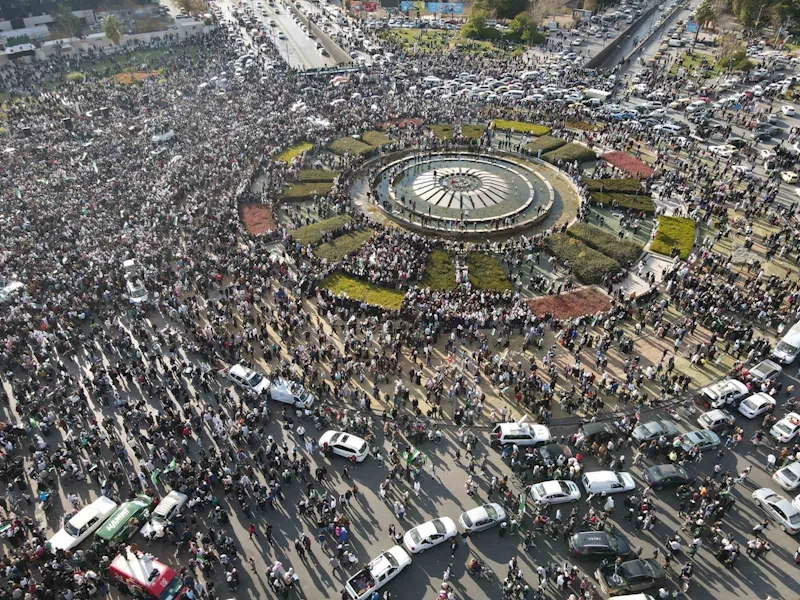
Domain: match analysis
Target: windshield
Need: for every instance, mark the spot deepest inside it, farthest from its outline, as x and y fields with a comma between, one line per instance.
x=786, y=348
x=415, y=536
x=467, y=520
x=784, y=427
x=794, y=519
x=613, y=543
x=491, y=512
x=749, y=405
x=786, y=473
x=254, y=380
x=539, y=489
x=171, y=591
x=138, y=292
x=71, y=529
x=564, y=487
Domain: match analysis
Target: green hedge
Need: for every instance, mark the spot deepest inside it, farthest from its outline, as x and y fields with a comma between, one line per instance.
x=588, y=265
x=306, y=191
x=570, y=153
x=317, y=175
x=486, y=272
x=623, y=251
x=628, y=185
x=349, y=145
x=311, y=234
x=440, y=271
x=637, y=203
x=545, y=143
x=363, y=291
x=520, y=127
x=343, y=245
x=673, y=232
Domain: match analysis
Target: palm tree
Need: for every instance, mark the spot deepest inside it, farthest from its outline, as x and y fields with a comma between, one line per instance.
x=112, y=27
x=706, y=13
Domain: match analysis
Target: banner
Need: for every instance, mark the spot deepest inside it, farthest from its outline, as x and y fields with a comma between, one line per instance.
x=581, y=15
x=454, y=8
x=370, y=6
x=154, y=475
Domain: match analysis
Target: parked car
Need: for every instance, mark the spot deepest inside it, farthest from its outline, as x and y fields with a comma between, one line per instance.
x=599, y=432
x=598, y=544
x=715, y=420
x=482, y=517
x=247, y=379
x=703, y=439
x=607, y=482
x=344, y=444
x=661, y=476
x=779, y=509
x=786, y=429
x=551, y=452
x=555, y=492
x=82, y=525
x=756, y=405
x=723, y=394
x=429, y=534
x=788, y=477
x=630, y=576
x=652, y=430
x=377, y=573
x=163, y=514
x=766, y=370
x=521, y=434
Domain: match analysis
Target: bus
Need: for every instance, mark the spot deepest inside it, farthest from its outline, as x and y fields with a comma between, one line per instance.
x=148, y=576
x=126, y=520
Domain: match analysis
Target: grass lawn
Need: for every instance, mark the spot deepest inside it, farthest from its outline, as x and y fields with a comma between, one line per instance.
x=310, y=234
x=356, y=289
x=673, y=232
x=290, y=154
x=348, y=145
x=438, y=41
x=344, y=245
x=440, y=272
x=472, y=132
x=486, y=272
x=520, y=127
x=441, y=131
x=317, y=175
x=691, y=62
x=545, y=143
x=307, y=191
x=376, y=138
x=570, y=153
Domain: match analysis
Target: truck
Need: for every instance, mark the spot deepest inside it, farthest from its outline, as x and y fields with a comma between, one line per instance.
x=595, y=93
x=146, y=576
x=377, y=573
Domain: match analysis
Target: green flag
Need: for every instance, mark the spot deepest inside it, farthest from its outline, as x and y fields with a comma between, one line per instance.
x=154, y=475
x=522, y=503
x=172, y=466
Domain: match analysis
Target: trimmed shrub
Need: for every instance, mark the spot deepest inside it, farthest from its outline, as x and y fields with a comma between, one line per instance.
x=545, y=143
x=337, y=249
x=317, y=175
x=570, y=153
x=486, y=272
x=307, y=191
x=520, y=127
x=440, y=272
x=311, y=234
x=356, y=289
x=349, y=145
x=624, y=252
x=376, y=138
x=588, y=265
x=76, y=76
x=673, y=232
x=293, y=152
x=628, y=185
x=637, y=203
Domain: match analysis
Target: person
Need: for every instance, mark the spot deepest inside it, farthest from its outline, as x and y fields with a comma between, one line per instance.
x=475, y=567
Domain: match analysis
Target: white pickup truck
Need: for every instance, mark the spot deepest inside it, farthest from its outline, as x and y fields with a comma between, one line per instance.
x=377, y=573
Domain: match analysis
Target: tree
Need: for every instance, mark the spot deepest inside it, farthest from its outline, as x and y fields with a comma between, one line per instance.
x=475, y=27
x=522, y=28
x=590, y=5
x=67, y=24
x=706, y=13
x=191, y=6
x=112, y=27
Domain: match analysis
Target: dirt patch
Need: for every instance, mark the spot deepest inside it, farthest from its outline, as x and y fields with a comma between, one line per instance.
x=401, y=123
x=127, y=78
x=584, y=301
x=257, y=218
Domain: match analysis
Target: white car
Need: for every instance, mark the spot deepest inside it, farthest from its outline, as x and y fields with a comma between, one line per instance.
x=377, y=573
x=768, y=153
x=83, y=524
x=788, y=477
x=429, y=534
x=248, y=379
x=725, y=151
x=608, y=482
x=745, y=171
x=555, y=492
x=756, y=405
x=163, y=514
x=715, y=420
x=786, y=429
x=789, y=176
x=137, y=293
x=722, y=393
x=779, y=509
x=291, y=392
x=696, y=106
x=344, y=444
x=788, y=110
x=482, y=517
x=766, y=370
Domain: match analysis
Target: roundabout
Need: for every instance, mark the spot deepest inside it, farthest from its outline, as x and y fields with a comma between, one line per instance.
x=462, y=192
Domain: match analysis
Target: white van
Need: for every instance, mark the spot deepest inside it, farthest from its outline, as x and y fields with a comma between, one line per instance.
x=291, y=392
x=521, y=434
x=248, y=379
x=789, y=346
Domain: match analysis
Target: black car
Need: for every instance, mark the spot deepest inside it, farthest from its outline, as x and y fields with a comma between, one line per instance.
x=736, y=142
x=660, y=476
x=599, y=432
x=763, y=135
x=598, y=544
x=553, y=451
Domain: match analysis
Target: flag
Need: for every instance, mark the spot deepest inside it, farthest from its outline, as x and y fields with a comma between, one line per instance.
x=172, y=466
x=522, y=502
x=94, y=166
x=154, y=475
x=18, y=192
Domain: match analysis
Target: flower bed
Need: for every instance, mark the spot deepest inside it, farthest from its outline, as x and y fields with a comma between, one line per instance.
x=290, y=154
x=258, y=218
x=588, y=265
x=628, y=185
x=306, y=191
x=486, y=272
x=337, y=249
x=629, y=164
x=673, y=232
x=520, y=127
x=440, y=272
x=349, y=145
x=623, y=251
x=545, y=143
x=570, y=153
x=637, y=203
x=584, y=301
x=311, y=234
x=356, y=289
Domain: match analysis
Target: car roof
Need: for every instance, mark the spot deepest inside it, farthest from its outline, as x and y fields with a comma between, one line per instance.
x=167, y=502
x=87, y=513
x=591, y=428
x=593, y=538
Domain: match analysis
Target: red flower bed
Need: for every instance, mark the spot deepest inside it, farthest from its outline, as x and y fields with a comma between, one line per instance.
x=628, y=163
x=257, y=218
x=584, y=301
